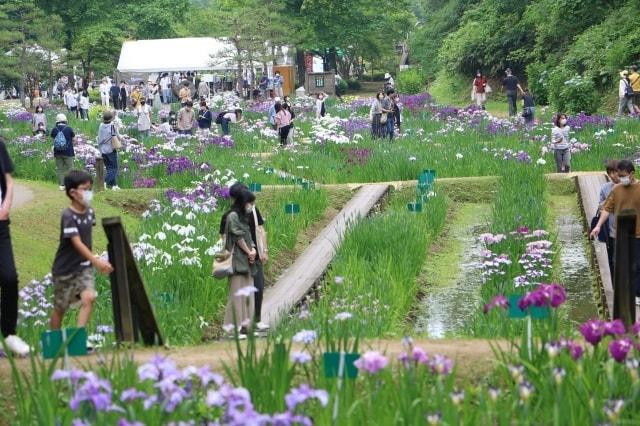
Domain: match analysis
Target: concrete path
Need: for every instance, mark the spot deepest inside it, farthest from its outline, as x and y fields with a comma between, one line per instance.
x=21, y=195
x=309, y=267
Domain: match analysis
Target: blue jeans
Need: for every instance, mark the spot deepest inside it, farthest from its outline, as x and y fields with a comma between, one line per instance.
x=390, y=126
x=166, y=96
x=111, y=164
x=225, y=126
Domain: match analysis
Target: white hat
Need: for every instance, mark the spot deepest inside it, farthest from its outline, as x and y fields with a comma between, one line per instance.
x=61, y=118
x=387, y=75
x=624, y=73
x=277, y=99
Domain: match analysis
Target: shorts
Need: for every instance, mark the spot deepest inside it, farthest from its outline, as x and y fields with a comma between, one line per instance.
x=67, y=288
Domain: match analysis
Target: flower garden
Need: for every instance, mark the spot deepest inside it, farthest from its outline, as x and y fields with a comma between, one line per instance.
x=548, y=366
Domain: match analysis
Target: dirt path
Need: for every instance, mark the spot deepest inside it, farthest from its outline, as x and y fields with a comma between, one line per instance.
x=21, y=195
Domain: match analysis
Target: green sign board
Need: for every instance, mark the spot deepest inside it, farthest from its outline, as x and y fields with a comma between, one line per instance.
x=255, y=187
x=415, y=207
x=331, y=362
x=292, y=208
x=536, y=312
x=71, y=340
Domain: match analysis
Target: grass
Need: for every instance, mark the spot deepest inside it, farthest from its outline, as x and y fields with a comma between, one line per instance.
x=35, y=227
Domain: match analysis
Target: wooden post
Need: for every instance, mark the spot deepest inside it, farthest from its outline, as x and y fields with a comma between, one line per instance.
x=99, y=174
x=624, y=306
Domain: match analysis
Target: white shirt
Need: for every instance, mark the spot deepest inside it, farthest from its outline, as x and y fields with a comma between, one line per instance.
x=319, y=103
x=71, y=100
x=104, y=89
x=164, y=127
x=84, y=102
x=561, y=134
x=231, y=116
x=165, y=82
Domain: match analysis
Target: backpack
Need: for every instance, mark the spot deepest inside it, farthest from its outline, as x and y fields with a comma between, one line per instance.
x=628, y=90
x=220, y=117
x=60, y=141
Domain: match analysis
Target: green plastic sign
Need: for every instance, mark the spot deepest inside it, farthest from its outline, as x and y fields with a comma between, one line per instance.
x=536, y=312
x=269, y=170
x=427, y=176
x=167, y=297
x=308, y=185
x=331, y=361
x=255, y=187
x=74, y=340
x=415, y=207
x=292, y=208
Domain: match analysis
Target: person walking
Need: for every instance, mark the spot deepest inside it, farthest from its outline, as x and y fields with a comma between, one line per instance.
x=124, y=94
x=528, y=106
x=205, y=118
x=561, y=145
x=479, y=90
x=278, y=82
x=114, y=94
x=231, y=117
x=283, y=125
x=511, y=85
x=144, y=118
x=8, y=275
x=84, y=105
x=634, y=79
x=63, y=140
x=39, y=122
x=605, y=190
x=240, y=310
x=387, y=109
x=105, y=88
x=165, y=86
x=625, y=196
x=203, y=90
x=625, y=94
x=106, y=133
x=256, y=224
x=375, y=115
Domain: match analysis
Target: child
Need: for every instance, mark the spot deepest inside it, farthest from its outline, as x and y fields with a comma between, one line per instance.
x=528, y=107
x=71, y=272
x=164, y=126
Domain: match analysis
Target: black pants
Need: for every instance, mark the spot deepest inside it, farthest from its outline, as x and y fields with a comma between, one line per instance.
x=258, y=282
x=635, y=277
x=8, y=283
x=611, y=245
x=284, y=132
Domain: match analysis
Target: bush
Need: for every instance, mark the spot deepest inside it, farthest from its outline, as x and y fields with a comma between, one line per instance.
x=353, y=84
x=577, y=94
x=342, y=86
x=410, y=81
x=538, y=82
x=94, y=95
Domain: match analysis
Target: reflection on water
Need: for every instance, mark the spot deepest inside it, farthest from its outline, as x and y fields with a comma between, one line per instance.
x=575, y=268
x=445, y=310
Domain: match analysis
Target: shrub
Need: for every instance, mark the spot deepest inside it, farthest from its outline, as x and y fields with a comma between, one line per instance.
x=342, y=86
x=353, y=84
x=410, y=81
x=577, y=94
x=538, y=82
x=94, y=95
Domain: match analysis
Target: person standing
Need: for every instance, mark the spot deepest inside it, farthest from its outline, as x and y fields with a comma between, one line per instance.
x=106, y=132
x=273, y=110
x=8, y=275
x=320, y=106
x=136, y=97
x=634, y=79
x=144, y=118
x=151, y=93
x=105, y=88
x=124, y=94
x=165, y=86
x=184, y=94
x=203, y=90
x=84, y=105
x=63, y=140
x=561, y=144
x=605, y=190
x=256, y=222
x=72, y=101
x=624, y=196
x=186, y=118
x=388, y=82
x=397, y=112
x=240, y=310
x=205, y=118
x=625, y=93
x=278, y=81
x=114, y=94
x=511, y=85
x=375, y=114
x=39, y=122
x=283, y=125
x=387, y=109
x=528, y=106
x=478, y=90
x=262, y=85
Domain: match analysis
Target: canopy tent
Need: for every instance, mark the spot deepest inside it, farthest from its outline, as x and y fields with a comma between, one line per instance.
x=175, y=54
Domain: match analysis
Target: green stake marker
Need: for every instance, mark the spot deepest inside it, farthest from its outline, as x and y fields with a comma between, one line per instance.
x=167, y=297
x=415, y=207
x=69, y=341
x=308, y=185
x=255, y=187
x=536, y=312
x=331, y=361
x=292, y=208
x=268, y=170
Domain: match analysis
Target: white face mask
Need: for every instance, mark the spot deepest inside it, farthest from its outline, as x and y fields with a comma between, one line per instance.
x=625, y=180
x=87, y=197
x=563, y=121
x=249, y=209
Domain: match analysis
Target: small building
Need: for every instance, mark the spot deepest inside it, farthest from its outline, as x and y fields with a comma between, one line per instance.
x=316, y=82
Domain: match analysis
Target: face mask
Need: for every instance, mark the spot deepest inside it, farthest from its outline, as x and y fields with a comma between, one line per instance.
x=249, y=209
x=87, y=196
x=625, y=180
x=563, y=121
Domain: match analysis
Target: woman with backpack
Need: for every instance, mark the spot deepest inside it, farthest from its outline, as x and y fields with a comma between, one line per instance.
x=625, y=93
x=106, y=134
x=63, y=139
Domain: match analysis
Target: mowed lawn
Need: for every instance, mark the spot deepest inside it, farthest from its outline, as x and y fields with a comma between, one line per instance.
x=35, y=226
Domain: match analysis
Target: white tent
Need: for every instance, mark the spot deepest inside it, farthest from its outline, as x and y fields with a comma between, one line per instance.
x=175, y=54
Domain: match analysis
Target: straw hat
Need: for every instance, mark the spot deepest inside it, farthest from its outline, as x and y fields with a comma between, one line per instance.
x=624, y=73
x=61, y=118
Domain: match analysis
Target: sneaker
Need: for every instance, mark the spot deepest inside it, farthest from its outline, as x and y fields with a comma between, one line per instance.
x=61, y=187
x=262, y=326
x=115, y=188
x=17, y=345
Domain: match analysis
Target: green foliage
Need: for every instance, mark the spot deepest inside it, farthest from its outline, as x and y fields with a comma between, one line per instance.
x=410, y=81
x=577, y=94
x=353, y=84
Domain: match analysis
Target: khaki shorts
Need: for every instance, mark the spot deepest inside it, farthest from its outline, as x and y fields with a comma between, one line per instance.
x=68, y=288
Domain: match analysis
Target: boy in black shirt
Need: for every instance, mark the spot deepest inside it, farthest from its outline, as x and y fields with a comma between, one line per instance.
x=71, y=272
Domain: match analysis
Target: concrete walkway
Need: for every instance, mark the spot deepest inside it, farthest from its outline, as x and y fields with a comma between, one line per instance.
x=311, y=265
